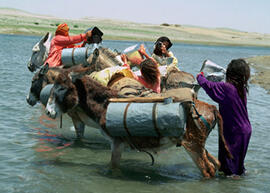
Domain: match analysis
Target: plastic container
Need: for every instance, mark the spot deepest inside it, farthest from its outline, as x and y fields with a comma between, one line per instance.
x=146, y=119
x=75, y=56
x=212, y=71
x=133, y=55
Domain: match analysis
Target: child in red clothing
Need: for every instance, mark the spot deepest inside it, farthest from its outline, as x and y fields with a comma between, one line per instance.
x=150, y=77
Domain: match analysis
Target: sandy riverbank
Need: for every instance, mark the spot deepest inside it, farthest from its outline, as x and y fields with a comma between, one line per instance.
x=262, y=66
x=14, y=21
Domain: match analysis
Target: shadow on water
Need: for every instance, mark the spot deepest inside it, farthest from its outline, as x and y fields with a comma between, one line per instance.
x=141, y=171
x=130, y=170
x=52, y=147
x=49, y=141
x=55, y=149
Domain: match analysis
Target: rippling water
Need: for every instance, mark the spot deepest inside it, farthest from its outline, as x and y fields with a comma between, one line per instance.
x=37, y=156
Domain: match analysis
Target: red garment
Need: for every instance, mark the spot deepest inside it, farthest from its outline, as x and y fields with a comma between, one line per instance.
x=155, y=87
x=60, y=42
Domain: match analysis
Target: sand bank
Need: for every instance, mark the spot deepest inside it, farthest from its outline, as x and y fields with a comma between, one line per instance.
x=14, y=21
x=262, y=66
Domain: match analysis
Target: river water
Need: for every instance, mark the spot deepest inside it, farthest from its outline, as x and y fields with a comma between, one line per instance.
x=38, y=156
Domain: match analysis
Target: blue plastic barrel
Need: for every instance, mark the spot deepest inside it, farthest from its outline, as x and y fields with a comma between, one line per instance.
x=75, y=56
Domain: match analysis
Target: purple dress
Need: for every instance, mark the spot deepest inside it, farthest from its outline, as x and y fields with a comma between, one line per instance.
x=236, y=125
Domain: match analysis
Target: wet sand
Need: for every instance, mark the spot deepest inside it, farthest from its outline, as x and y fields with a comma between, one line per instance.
x=262, y=76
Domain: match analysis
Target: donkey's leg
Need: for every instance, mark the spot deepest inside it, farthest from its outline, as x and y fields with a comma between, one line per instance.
x=78, y=124
x=213, y=160
x=199, y=156
x=117, y=147
x=79, y=128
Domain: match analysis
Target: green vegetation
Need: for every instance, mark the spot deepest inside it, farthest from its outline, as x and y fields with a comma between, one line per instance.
x=14, y=21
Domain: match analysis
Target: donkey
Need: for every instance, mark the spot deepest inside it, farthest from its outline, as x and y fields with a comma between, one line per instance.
x=88, y=96
x=40, y=52
x=101, y=58
x=41, y=49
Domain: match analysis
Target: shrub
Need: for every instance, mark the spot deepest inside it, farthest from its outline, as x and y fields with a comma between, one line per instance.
x=165, y=24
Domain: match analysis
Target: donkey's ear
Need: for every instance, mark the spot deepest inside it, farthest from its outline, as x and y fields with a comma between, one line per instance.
x=44, y=38
x=44, y=69
x=60, y=93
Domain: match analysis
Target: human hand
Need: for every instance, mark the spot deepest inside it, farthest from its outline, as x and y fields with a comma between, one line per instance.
x=200, y=73
x=142, y=49
x=143, y=52
x=124, y=58
x=88, y=34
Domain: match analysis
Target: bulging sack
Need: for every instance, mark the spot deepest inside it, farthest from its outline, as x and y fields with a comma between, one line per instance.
x=145, y=119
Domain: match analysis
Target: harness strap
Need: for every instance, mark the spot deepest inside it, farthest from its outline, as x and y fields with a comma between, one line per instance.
x=202, y=118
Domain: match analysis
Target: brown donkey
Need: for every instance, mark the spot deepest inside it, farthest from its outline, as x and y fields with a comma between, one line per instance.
x=84, y=95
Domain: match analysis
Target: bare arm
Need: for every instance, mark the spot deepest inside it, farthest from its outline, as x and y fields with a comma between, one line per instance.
x=143, y=52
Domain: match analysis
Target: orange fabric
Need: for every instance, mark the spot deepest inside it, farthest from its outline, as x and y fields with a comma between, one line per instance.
x=58, y=43
x=62, y=29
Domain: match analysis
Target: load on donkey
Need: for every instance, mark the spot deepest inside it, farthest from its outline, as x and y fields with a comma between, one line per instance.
x=86, y=101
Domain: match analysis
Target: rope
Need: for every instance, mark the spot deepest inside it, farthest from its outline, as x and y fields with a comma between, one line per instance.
x=154, y=117
x=131, y=143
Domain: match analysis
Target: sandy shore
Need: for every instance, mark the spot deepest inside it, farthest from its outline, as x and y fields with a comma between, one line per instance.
x=262, y=66
x=14, y=21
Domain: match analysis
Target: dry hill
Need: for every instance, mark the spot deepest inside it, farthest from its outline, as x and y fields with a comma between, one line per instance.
x=14, y=21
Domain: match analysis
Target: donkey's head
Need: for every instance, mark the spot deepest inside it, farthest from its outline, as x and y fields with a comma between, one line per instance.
x=40, y=53
x=38, y=82
x=105, y=58
x=63, y=97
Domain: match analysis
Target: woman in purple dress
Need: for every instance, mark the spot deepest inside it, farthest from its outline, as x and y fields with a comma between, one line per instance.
x=231, y=97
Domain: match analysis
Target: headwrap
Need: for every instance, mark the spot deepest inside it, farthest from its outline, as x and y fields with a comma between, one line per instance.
x=164, y=39
x=62, y=29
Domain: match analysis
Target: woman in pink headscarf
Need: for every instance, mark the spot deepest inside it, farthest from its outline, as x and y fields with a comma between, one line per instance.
x=62, y=40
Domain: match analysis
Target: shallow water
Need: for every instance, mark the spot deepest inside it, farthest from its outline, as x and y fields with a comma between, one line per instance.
x=38, y=156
